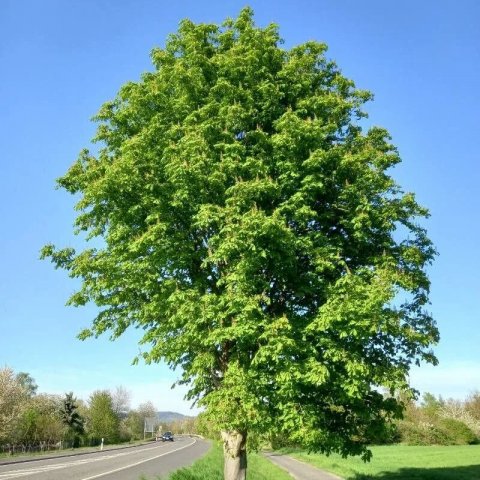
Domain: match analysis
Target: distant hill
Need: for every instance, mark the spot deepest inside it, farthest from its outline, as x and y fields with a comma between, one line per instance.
x=170, y=416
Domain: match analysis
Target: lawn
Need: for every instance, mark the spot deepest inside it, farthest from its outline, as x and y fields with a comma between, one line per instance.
x=401, y=462
x=210, y=467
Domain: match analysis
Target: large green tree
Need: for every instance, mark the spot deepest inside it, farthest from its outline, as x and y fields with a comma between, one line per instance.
x=252, y=229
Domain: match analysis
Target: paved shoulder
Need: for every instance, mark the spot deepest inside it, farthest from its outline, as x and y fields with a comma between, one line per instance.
x=299, y=470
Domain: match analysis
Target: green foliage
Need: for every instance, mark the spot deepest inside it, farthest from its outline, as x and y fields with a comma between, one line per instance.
x=459, y=433
x=400, y=462
x=430, y=405
x=210, y=467
x=72, y=419
x=28, y=383
x=13, y=397
x=102, y=420
x=385, y=436
x=438, y=422
x=279, y=440
x=252, y=230
x=472, y=405
x=132, y=426
x=69, y=414
x=40, y=421
x=424, y=433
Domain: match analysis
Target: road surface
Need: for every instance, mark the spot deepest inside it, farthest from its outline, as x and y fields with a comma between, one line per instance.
x=150, y=461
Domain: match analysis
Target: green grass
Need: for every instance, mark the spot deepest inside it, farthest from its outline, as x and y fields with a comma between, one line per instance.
x=401, y=462
x=210, y=467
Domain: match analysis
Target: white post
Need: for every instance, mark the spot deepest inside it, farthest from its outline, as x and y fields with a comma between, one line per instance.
x=101, y=445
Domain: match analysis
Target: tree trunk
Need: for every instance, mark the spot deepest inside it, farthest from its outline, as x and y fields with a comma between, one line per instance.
x=235, y=455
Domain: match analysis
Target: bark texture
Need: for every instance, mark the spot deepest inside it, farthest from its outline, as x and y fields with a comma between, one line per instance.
x=235, y=455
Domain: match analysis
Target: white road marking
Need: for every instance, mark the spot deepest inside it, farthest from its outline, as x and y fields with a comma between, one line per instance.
x=140, y=462
x=46, y=468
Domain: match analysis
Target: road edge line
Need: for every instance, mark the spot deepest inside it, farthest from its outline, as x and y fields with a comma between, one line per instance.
x=139, y=463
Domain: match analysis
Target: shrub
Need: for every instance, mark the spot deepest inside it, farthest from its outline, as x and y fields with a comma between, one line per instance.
x=463, y=412
x=446, y=431
x=423, y=434
x=388, y=434
x=460, y=434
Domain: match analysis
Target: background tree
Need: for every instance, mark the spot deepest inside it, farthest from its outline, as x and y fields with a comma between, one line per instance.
x=147, y=409
x=121, y=398
x=71, y=418
x=28, y=383
x=40, y=422
x=121, y=406
x=49, y=425
x=102, y=420
x=431, y=405
x=472, y=405
x=132, y=426
x=12, y=398
x=251, y=229
x=436, y=421
x=147, y=412
x=182, y=426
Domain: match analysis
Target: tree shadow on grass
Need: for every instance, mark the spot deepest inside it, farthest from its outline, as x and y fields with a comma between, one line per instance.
x=472, y=472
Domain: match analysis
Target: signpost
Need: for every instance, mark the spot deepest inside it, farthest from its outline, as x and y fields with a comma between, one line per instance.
x=150, y=426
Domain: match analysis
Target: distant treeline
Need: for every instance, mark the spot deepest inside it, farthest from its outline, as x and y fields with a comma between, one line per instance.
x=430, y=421
x=436, y=421
x=31, y=421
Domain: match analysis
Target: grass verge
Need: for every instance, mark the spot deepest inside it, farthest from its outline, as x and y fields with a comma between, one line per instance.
x=65, y=452
x=210, y=467
x=402, y=462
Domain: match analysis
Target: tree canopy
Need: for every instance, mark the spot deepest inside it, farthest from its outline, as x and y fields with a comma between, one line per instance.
x=251, y=228
x=12, y=397
x=103, y=422
x=70, y=415
x=28, y=383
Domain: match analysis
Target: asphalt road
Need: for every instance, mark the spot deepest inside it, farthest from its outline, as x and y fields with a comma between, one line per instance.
x=157, y=459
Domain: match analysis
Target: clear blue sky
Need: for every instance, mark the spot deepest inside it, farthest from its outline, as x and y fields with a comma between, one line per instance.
x=60, y=60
